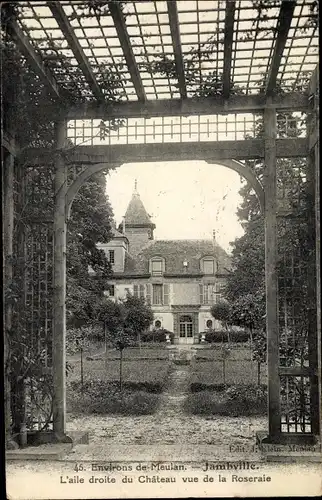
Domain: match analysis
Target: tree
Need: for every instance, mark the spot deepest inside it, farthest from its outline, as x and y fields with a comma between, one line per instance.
x=89, y=224
x=221, y=312
x=248, y=311
x=124, y=321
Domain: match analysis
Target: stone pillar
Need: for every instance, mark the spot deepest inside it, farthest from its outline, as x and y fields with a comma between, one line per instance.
x=272, y=329
x=59, y=292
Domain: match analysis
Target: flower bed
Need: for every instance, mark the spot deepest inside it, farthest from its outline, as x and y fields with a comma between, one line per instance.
x=233, y=401
x=101, y=397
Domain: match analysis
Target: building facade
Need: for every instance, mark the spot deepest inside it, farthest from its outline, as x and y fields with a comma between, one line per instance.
x=181, y=279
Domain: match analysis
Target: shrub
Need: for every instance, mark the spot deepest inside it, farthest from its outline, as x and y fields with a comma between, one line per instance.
x=216, y=336
x=158, y=335
x=234, y=401
x=102, y=397
x=81, y=337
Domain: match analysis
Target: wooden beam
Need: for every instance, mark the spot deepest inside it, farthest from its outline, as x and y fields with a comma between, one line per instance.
x=59, y=288
x=68, y=32
x=188, y=107
x=126, y=45
x=228, y=45
x=34, y=59
x=283, y=26
x=129, y=153
x=272, y=327
x=8, y=142
x=176, y=43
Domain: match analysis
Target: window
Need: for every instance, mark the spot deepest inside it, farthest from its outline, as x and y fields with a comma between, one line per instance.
x=157, y=266
x=185, y=326
x=160, y=294
x=220, y=287
x=157, y=324
x=207, y=294
x=209, y=323
x=157, y=295
x=139, y=291
x=208, y=266
x=111, y=256
x=110, y=292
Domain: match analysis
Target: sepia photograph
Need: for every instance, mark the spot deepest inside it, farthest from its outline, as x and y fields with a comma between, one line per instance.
x=161, y=249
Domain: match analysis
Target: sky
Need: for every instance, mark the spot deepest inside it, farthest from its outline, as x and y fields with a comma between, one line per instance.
x=186, y=200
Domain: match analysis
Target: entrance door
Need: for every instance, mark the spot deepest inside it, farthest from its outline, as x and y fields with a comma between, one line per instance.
x=185, y=330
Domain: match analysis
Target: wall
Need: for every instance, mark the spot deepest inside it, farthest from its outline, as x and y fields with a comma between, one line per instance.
x=204, y=315
x=138, y=238
x=119, y=247
x=185, y=293
x=166, y=319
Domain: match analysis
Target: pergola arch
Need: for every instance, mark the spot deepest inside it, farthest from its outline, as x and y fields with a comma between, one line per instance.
x=242, y=169
x=236, y=91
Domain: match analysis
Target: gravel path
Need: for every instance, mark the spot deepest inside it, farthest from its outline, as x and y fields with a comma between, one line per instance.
x=170, y=424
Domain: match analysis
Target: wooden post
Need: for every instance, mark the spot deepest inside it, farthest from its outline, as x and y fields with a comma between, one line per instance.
x=274, y=412
x=315, y=347
x=8, y=178
x=59, y=292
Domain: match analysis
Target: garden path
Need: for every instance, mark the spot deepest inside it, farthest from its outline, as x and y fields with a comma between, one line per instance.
x=170, y=427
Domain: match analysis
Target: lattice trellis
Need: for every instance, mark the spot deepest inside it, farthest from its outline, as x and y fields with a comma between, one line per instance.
x=296, y=292
x=33, y=269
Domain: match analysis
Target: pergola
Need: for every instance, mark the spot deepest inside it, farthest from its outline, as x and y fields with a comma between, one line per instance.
x=172, y=80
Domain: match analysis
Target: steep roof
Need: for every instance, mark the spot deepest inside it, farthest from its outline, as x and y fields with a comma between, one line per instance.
x=175, y=252
x=116, y=233
x=136, y=213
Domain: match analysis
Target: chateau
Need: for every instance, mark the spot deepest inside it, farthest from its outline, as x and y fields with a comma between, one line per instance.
x=181, y=279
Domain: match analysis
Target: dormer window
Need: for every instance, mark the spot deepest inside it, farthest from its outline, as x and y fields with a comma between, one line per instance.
x=208, y=266
x=157, y=266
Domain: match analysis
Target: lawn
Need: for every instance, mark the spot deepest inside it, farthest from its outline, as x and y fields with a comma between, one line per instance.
x=143, y=370
x=239, y=369
x=135, y=353
x=100, y=393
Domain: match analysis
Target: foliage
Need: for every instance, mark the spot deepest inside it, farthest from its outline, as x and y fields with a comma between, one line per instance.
x=157, y=335
x=235, y=401
x=248, y=311
x=125, y=319
x=83, y=337
x=221, y=311
x=102, y=397
x=215, y=336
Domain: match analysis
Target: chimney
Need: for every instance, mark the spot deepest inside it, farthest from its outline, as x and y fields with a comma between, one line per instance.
x=123, y=225
x=214, y=238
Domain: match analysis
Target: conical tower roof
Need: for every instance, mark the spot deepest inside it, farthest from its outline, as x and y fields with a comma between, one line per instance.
x=136, y=214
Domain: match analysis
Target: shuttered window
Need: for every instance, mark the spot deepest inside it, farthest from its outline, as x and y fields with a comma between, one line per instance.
x=201, y=294
x=207, y=294
x=148, y=293
x=166, y=294
x=142, y=291
x=157, y=294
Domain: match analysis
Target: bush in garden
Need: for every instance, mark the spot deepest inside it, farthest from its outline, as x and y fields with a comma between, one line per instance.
x=234, y=401
x=217, y=336
x=84, y=337
x=102, y=397
x=157, y=335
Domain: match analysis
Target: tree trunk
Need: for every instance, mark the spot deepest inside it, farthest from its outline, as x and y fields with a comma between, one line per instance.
x=251, y=351
x=121, y=370
x=82, y=368
x=258, y=373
